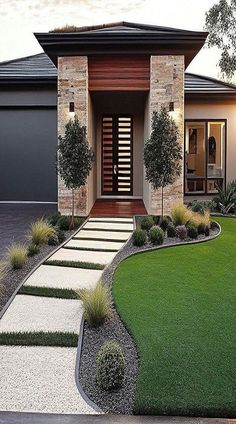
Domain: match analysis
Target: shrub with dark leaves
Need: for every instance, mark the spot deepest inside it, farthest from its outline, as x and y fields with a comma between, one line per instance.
x=192, y=232
x=171, y=230
x=181, y=231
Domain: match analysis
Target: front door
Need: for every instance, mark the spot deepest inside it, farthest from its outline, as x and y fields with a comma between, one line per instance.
x=117, y=155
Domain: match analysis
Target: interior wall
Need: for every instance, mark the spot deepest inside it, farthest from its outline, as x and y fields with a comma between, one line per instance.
x=130, y=103
x=218, y=110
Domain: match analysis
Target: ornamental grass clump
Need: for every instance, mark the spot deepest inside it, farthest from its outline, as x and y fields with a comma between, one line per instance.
x=110, y=366
x=156, y=235
x=180, y=215
x=139, y=237
x=17, y=255
x=41, y=231
x=96, y=304
x=200, y=219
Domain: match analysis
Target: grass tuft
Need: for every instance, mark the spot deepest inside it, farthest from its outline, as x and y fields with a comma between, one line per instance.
x=96, y=304
x=41, y=230
x=49, y=292
x=75, y=264
x=39, y=338
x=17, y=255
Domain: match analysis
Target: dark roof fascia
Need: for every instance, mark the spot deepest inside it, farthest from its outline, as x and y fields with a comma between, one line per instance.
x=28, y=81
x=209, y=96
x=65, y=44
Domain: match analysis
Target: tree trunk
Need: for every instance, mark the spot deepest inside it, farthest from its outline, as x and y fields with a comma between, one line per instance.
x=162, y=202
x=72, y=222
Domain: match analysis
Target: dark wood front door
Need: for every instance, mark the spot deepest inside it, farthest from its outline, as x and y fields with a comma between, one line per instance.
x=117, y=155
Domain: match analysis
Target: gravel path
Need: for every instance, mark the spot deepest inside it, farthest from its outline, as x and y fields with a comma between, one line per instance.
x=40, y=379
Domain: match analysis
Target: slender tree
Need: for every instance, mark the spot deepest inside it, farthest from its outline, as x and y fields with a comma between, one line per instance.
x=75, y=159
x=162, y=153
x=221, y=24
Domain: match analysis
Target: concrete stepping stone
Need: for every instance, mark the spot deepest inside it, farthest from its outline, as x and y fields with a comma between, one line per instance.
x=115, y=219
x=40, y=379
x=108, y=226
x=102, y=235
x=93, y=244
x=96, y=257
x=35, y=313
x=64, y=277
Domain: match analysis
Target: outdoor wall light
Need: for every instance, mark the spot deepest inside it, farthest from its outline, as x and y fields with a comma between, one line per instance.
x=171, y=107
x=72, y=109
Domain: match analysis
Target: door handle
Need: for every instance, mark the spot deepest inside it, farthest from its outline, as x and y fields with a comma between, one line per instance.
x=115, y=169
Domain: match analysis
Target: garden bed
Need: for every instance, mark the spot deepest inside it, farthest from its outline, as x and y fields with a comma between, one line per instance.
x=122, y=400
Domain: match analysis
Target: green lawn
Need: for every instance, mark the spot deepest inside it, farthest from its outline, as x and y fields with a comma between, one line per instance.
x=180, y=305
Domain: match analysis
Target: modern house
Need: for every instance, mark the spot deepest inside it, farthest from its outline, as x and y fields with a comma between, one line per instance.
x=113, y=77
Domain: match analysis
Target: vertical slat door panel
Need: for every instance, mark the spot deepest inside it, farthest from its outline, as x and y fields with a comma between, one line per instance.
x=117, y=161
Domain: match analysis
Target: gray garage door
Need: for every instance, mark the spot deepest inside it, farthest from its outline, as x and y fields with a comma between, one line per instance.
x=28, y=140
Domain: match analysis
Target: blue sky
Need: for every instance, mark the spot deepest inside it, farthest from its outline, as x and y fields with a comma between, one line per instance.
x=20, y=18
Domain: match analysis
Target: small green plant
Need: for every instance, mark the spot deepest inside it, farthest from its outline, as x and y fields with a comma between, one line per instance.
x=110, y=366
x=207, y=231
x=3, y=271
x=171, y=230
x=78, y=222
x=33, y=249
x=139, y=237
x=147, y=222
x=156, y=219
x=164, y=223
x=226, y=198
x=198, y=206
x=53, y=218
x=180, y=215
x=53, y=240
x=201, y=228
x=17, y=255
x=61, y=235
x=96, y=304
x=181, y=231
x=156, y=235
x=41, y=231
x=64, y=223
x=192, y=232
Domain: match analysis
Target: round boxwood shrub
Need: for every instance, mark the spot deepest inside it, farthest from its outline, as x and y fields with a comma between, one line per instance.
x=110, y=366
x=181, y=231
x=164, y=222
x=192, y=232
x=64, y=223
x=147, y=222
x=171, y=230
x=156, y=235
x=139, y=237
x=33, y=249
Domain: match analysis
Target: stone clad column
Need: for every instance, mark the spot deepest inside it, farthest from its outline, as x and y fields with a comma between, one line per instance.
x=72, y=87
x=167, y=85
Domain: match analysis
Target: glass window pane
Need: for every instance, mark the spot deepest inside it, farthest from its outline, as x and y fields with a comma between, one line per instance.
x=215, y=155
x=195, y=157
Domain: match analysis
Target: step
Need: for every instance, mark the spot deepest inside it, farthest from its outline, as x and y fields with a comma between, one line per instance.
x=35, y=313
x=64, y=277
x=108, y=226
x=115, y=219
x=40, y=379
x=96, y=257
x=95, y=245
x=102, y=235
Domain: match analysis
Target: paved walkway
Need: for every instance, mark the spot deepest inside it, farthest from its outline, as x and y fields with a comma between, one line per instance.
x=15, y=220
x=42, y=378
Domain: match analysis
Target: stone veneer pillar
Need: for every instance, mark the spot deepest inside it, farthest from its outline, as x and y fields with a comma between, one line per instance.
x=167, y=85
x=72, y=87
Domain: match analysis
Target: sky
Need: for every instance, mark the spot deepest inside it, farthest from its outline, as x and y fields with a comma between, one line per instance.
x=19, y=19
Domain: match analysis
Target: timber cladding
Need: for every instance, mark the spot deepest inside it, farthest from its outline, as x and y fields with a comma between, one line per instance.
x=117, y=73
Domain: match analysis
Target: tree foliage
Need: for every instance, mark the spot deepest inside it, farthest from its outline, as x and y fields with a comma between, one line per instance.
x=75, y=157
x=162, y=152
x=221, y=24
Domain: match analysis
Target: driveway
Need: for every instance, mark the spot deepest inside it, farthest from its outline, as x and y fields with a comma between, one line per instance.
x=15, y=220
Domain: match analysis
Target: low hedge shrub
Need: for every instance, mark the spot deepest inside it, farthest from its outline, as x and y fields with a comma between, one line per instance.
x=139, y=237
x=110, y=366
x=146, y=223
x=156, y=235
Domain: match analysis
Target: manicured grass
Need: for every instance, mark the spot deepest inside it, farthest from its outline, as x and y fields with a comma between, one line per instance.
x=39, y=339
x=49, y=292
x=179, y=304
x=75, y=264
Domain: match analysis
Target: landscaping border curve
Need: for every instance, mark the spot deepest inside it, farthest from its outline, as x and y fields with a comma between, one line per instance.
x=107, y=278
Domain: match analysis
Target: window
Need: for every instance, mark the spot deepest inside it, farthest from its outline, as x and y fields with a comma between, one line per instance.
x=204, y=156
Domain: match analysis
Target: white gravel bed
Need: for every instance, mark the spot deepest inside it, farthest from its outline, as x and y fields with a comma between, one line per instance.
x=64, y=277
x=40, y=379
x=109, y=226
x=106, y=235
x=93, y=244
x=102, y=258
x=35, y=313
